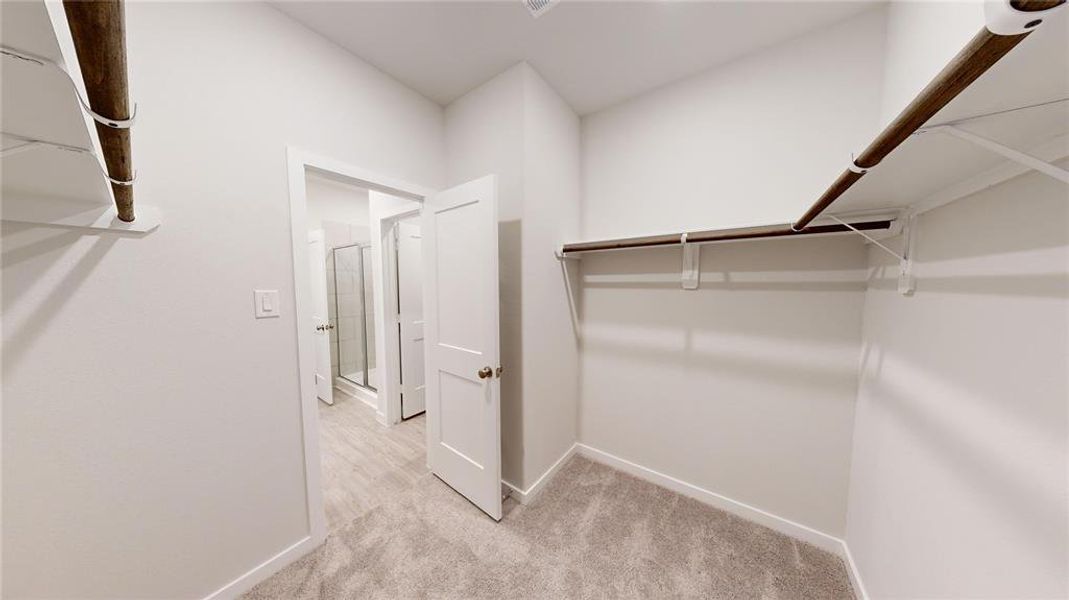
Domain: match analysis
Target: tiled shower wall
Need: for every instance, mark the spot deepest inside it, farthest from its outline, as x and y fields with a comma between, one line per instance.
x=343, y=280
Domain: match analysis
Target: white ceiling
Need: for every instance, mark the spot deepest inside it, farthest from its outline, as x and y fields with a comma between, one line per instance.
x=594, y=54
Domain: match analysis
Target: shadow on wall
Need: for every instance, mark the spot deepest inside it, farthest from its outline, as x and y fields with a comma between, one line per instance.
x=24, y=324
x=993, y=228
x=510, y=289
x=734, y=293
x=743, y=328
x=997, y=479
x=963, y=387
x=790, y=371
x=754, y=372
x=1050, y=285
x=571, y=274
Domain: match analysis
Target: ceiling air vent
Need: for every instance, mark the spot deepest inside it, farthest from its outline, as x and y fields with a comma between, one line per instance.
x=539, y=7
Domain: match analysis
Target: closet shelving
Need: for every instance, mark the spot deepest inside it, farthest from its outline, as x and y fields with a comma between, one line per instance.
x=725, y=235
x=1022, y=102
x=1012, y=89
x=65, y=142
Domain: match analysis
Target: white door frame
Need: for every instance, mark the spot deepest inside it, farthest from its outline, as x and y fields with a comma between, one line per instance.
x=298, y=162
x=388, y=343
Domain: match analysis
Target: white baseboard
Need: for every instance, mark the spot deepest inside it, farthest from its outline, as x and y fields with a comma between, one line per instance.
x=853, y=572
x=785, y=526
x=264, y=570
x=751, y=513
x=526, y=496
x=354, y=391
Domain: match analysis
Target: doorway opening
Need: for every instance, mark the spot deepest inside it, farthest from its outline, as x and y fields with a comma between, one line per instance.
x=344, y=298
x=403, y=265
x=365, y=460
x=355, y=460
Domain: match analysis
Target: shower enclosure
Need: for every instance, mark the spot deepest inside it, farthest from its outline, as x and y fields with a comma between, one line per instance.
x=352, y=304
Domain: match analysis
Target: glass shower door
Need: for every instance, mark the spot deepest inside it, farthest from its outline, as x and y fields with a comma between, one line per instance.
x=368, y=295
x=355, y=313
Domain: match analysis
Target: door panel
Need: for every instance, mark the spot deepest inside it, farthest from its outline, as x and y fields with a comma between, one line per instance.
x=317, y=269
x=459, y=229
x=410, y=307
x=461, y=423
x=458, y=298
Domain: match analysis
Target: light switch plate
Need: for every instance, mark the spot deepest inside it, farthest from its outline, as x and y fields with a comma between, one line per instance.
x=266, y=303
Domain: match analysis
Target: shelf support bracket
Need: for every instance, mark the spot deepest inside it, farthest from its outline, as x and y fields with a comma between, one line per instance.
x=32, y=144
x=905, y=260
x=906, y=281
x=1015, y=155
x=44, y=62
x=692, y=253
x=561, y=256
x=867, y=237
x=25, y=146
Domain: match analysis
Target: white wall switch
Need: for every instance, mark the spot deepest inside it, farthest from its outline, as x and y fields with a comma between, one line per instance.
x=266, y=303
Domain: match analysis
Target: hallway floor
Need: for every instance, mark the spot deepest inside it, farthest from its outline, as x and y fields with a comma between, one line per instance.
x=365, y=464
x=594, y=532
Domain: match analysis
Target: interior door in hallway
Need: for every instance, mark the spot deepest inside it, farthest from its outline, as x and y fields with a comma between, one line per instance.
x=317, y=270
x=410, y=311
x=463, y=396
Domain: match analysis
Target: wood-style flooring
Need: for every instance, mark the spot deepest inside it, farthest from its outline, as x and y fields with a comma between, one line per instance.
x=365, y=464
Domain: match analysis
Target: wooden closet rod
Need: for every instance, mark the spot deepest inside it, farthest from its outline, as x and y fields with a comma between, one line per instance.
x=983, y=51
x=98, y=29
x=719, y=235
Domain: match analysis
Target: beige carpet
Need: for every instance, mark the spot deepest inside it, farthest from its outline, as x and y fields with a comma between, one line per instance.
x=593, y=533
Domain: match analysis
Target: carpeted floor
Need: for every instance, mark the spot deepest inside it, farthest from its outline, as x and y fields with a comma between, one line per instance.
x=594, y=532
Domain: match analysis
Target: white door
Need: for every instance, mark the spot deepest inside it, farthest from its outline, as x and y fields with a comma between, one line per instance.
x=317, y=269
x=460, y=309
x=410, y=316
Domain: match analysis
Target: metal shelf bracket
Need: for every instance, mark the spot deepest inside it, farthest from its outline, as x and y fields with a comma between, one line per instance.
x=561, y=256
x=867, y=237
x=1015, y=155
x=691, y=275
x=906, y=281
x=126, y=123
x=28, y=144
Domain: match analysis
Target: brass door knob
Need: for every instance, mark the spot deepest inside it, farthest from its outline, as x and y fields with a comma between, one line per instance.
x=485, y=372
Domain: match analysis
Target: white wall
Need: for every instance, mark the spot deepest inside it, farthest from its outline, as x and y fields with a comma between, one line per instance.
x=922, y=38
x=484, y=135
x=744, y=387
x=550, y=330
x=517, y=127
x=755, y=141
x=151, y=426
x=330, y=200
x=958, y=487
